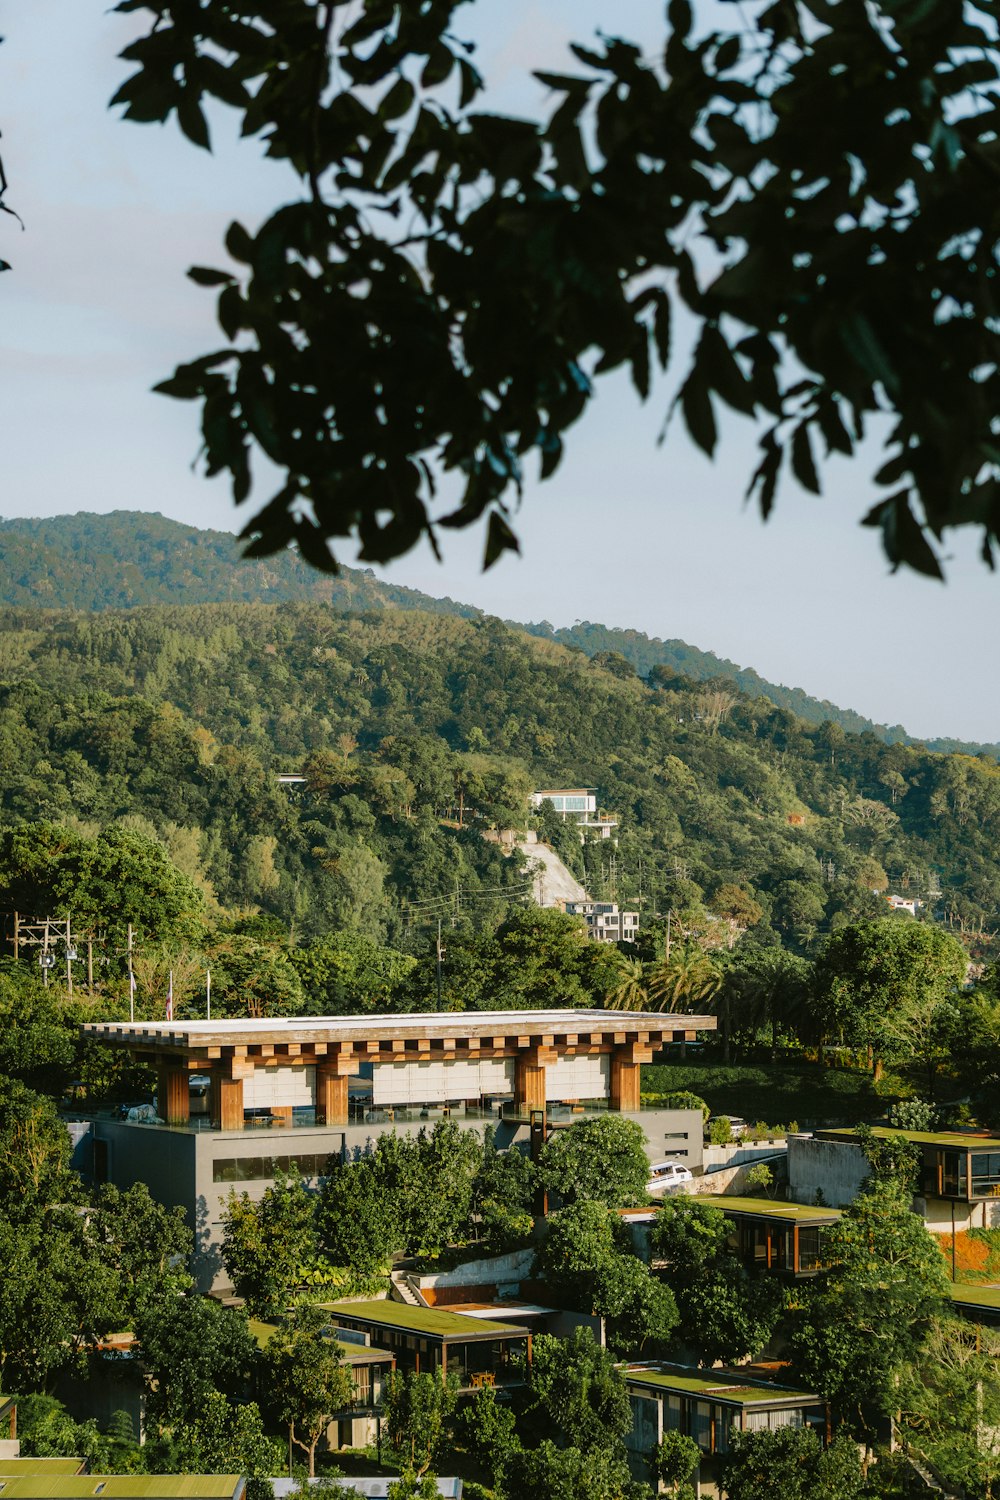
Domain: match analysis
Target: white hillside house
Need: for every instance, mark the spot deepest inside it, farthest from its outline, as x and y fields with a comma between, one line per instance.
x=577, y=805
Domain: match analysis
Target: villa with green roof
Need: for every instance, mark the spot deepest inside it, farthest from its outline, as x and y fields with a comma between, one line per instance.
x=959, y=1184
x=478, y=1350
x=780, y=1237
x=709, y=1406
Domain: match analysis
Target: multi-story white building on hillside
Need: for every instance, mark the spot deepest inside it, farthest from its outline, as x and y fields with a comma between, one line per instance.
x=577, y=805
x=605, y=922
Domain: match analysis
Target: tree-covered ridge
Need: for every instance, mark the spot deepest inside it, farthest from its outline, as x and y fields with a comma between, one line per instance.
x=134, y=559
x=417, y=731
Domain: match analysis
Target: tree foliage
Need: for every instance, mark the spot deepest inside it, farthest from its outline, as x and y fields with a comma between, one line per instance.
x=726, y=1312
x=794, y=1463
x=866, y=1316
x=306, y=1380
x=601, y=1160
x=792, y=187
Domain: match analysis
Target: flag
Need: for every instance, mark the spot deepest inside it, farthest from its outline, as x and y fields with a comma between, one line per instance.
x=170, y=997
x=131, y=995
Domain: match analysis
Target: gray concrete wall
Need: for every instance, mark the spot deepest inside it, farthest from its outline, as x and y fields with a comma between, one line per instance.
x=836, y=1169
x=178, y=1165
x=672, y=1132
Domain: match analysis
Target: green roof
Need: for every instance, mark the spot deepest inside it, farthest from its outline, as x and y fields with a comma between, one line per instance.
x=716, y=1388
x=125, y=1487
x=762, y=1208
x=925, y=1137
x=433, y=1322
x=22, y=1468
x=975, y=1296
x=356, y=1354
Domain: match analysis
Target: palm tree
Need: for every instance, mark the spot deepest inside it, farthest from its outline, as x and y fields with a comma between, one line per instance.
x=687, y=980
x=631, y=991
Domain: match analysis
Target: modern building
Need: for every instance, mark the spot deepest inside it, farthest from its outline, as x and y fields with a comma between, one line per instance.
x=709, y=1406
x=781, y=1237
x=357, y=1424
x=480, y=1351
x=294, y=1092
x=605, y=922
x=959, y=1182
x=577, y=805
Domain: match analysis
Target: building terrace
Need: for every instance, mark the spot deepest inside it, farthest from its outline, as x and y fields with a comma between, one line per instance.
x=275, y=1065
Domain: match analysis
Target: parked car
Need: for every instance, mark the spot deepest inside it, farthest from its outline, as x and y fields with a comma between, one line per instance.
x=664, y=1175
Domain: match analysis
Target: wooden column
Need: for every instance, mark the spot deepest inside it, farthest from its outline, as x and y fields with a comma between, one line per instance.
x=529, y=1080
x=230, y=1094
x=283, y=1112
x=624, y=1081
x=331, y=1096
x=173, y=1099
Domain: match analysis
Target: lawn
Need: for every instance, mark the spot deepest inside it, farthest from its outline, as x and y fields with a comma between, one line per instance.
x=807, y=1093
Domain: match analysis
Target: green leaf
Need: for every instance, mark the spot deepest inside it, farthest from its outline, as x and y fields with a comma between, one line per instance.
x=902, y=535
x=191, y=119
x=239, y=244
x=699, y=418
x=765, y=477
x=205, y=276
x=499, y=539
x=437, y=67
x=398, y=100
x=803, y=463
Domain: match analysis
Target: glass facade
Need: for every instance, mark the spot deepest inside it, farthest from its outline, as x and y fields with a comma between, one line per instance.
x=263, y=1168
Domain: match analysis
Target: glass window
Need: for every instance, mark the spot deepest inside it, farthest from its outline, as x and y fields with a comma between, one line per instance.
x=643, y=1437
x=224, y=1169
x=986, y=1174
x=701, y=1425
x=672, y=1414
x=808, y=1249
x=250, y=1168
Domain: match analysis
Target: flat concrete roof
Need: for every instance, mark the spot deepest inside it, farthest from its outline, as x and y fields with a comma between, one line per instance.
x=369, y=1028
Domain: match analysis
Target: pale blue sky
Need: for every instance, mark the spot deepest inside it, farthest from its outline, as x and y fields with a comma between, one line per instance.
x=98, y=308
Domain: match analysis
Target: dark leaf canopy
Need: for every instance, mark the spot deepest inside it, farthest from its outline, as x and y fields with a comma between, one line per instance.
x=817, y=191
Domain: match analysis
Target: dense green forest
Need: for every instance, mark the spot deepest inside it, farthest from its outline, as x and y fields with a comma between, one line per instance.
x=135, y=559
x=416, y=732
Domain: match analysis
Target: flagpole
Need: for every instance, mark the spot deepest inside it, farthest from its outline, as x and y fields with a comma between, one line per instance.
x=208, y=994
x=131, y=980
x=170, y=997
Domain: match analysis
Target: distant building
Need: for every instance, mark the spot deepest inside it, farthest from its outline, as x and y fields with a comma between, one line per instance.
x=605, y=922
x=577, y=805
x=905, y=903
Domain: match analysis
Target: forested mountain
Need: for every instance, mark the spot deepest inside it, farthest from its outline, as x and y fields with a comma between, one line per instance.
x=418, y=731
x=128, y=558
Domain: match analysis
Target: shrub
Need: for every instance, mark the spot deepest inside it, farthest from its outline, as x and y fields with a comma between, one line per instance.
x=720, y=1131
x=912, y=1114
